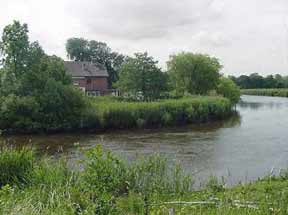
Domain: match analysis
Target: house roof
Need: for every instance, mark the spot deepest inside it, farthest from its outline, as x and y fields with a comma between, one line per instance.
x=85, y=69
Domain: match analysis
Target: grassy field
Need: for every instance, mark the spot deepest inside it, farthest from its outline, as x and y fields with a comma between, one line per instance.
x=109, y=112
x=109, y=185
x=266, y=92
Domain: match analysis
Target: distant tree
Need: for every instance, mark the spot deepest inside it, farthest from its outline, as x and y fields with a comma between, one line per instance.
x=193, y=73
x=77, y=49
x=80, y=49
x=140, y=74
x=228, y=89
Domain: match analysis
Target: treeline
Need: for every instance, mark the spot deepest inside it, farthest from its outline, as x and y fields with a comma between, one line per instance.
x=255, y=81
x=36, y=92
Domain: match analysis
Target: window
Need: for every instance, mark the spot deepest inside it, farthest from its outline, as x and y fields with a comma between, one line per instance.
x=88, y=81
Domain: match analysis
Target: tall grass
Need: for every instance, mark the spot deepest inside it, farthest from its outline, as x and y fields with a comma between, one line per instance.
x=266, y=92
x=110, y=185
x=108, y=113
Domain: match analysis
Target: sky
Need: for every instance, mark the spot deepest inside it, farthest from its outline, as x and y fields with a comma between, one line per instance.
x=247, y=36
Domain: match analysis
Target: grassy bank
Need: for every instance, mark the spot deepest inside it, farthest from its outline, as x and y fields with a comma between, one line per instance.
x=116, y=114
x=108, y=185
x=266, y=92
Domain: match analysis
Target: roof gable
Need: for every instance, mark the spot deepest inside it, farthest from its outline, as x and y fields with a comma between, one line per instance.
x=85, y=69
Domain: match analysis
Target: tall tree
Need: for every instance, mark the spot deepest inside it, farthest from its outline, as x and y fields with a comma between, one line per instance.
x=15, y=48
x=193, y=73
x=140, y=74
x=79, y=49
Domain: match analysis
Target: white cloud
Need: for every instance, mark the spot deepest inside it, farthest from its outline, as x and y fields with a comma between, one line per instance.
x=247, y=35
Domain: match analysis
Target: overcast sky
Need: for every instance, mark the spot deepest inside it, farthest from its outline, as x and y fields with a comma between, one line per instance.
x=246, y=35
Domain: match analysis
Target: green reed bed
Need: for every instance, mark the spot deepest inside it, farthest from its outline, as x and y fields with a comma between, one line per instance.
x=107, y=184
x=114, y=113
x=266, y=92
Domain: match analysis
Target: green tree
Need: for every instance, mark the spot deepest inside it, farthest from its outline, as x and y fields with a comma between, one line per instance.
x=80, y=49
x=193, y=73
x=36, y=91
x=228, y=89
x=15, y=48
x=140, y=74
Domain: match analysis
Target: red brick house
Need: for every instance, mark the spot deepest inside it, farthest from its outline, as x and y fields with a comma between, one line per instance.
x=90, y=77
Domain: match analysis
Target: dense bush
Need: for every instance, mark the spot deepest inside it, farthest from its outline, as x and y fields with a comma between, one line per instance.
x=117, y=114
x=16, y=167
x=266, y=92
x=228, y=89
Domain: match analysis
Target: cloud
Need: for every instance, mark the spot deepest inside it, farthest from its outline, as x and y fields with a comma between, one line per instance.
x=247, y=35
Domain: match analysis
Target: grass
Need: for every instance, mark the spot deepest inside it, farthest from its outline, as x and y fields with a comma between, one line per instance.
x=113, y=113
x=109, y=185
x=266, y=92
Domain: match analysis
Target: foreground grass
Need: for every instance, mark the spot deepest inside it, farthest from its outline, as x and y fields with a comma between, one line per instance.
x=266, y=92
x=108, y=185
x=113, y=113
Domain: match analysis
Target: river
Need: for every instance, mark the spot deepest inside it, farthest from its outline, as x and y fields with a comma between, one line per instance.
x=242, y=148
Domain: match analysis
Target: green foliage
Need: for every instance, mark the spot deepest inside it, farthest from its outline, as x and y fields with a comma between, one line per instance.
x=35, y=91
x=105, y=173
x=140, y=76
x=41, y=186
x=16, y=166
x=80, y=49
x=255, y=80
x=266, y=92
x=193, y=73
x=15, y=47
x=228, y=89
x=120, y=114
x=153, y=174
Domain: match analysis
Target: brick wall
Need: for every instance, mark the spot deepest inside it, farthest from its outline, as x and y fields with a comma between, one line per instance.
x=92, y=84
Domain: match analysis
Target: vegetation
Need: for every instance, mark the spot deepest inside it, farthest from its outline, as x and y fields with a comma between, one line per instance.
x=114, y=113
x=107, y=184
x=255, y=80
x=193, y=73
x=80, y=49
x=266, y=92
x=228, y=89
x=141, y=78
x=35, y=91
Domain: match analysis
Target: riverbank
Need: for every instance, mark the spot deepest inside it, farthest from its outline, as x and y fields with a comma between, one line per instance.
x=108, y=185
x=266, y=92
x=112, y=113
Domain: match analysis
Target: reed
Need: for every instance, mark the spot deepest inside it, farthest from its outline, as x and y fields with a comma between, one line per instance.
x=266, y=92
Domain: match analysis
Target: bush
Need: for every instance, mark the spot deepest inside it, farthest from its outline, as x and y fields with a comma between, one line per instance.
x=266, y=92
x=16, y=166
x=104, y=172
x=228, y=89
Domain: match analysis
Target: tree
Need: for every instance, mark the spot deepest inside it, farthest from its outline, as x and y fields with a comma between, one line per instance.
x=140, y=74
x=193, y=73
x=228, y=89
x=36, y=91
x=15, y=47
x=79, y=49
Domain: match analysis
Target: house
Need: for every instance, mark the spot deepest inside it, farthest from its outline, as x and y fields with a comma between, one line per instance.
x=89, y=77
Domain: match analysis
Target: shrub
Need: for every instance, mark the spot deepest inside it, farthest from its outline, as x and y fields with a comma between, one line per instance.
x=228, y=89
x=104, y=172
x=16, y=166
x=266, y=92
